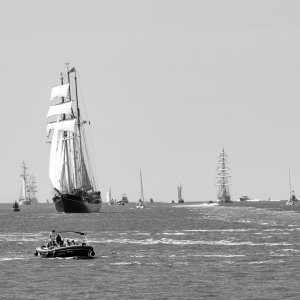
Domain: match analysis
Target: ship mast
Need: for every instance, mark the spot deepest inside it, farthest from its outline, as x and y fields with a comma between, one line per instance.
x=222, y=176
x=142, y=191
x=24, y=176
x=65, y=135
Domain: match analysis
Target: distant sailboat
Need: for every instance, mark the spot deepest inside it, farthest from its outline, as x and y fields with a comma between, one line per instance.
x=110, y=201
x=16, y=206
x=70, y=169
x=179, y=189
x=141, y=202
x=28, y=188
x=223, y=182
x=293, y=199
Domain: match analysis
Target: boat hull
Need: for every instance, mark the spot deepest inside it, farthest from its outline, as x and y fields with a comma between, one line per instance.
x=82, y=251
x=69, y=203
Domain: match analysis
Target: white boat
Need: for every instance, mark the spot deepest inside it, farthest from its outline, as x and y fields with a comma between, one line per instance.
x=141, y=202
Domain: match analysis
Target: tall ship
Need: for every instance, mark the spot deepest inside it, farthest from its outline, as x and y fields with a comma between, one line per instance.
x=179, y=190
x=70, y=168
x=223, y=179
x=28, y=188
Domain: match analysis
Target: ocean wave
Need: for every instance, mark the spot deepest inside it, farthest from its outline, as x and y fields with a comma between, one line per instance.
x=167, y=241
x=126, y=263
x=13, y=258
x=272, y=261
x=196, y=205
x=219, y=230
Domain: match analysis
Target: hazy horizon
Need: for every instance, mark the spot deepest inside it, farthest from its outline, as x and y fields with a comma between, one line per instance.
x=166, y=85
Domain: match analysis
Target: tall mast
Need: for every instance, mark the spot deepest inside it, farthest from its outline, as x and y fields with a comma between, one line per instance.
x=65, y=136
x=78, y=119
x=142, y=191
x=290, y=184
x=24, y=176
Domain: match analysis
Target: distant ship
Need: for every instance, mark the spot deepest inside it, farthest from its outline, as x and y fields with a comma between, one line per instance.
x=124, y=200
x=223, y=181
x=293, y=199
x=179, y=190
x=28, y=188
x=70, y=168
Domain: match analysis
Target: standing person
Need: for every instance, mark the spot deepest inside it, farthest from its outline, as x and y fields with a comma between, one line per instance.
x=52, y=237
x=59, y=240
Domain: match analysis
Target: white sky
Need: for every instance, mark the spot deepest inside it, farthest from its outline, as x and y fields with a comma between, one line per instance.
x=165, y=84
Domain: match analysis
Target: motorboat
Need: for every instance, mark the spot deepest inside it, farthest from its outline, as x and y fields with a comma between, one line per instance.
x=66, y=248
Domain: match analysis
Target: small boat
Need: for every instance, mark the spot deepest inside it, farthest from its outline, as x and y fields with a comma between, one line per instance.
x=141, y=202
x=124, y=200
x=179, y=189
x=293, y=199
x=16, y=206
x=68, y=248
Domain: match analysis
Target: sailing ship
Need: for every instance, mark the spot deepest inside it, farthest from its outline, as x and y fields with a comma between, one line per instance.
x=222, y=176
x=179, y=190
x=141, y=202
x=28, y=188
x=15, y=206
x=70, y=169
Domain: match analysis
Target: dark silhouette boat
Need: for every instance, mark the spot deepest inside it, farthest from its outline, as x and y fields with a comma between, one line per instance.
x=15, y=206
x=72, y=248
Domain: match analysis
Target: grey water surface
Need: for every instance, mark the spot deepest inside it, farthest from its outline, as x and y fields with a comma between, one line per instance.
x=166, y=251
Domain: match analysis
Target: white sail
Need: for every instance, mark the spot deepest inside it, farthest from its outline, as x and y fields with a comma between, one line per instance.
x=108, y=196
x=23, y=191
x=65, y=125
x=56, y=161
x=59, y=91
x=59, y=109
x=53, y=161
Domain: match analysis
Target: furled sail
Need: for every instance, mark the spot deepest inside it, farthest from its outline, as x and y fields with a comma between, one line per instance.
x=59, y=91
x=62, y=108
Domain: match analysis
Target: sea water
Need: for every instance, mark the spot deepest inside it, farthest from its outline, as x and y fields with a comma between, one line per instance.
x=166, y=251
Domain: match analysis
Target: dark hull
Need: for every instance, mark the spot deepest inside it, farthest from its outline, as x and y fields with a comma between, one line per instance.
x=76, y=204
x=81, y=251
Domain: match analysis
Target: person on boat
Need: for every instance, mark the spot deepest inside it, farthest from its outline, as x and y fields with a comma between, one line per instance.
x=59, y=240
x=52, y=237
x=84, y=241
